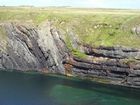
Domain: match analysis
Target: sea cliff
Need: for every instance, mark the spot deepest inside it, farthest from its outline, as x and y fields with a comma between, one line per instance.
x=70, y=44
x=44, y=49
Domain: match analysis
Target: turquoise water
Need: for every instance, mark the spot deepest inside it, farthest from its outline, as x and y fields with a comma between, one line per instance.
x=17, y=88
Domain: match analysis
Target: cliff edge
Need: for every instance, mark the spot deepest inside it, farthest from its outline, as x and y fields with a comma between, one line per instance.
x=44, y=49
x=62, y=47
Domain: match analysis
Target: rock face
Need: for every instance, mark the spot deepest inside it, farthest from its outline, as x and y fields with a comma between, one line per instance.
x=44, y=49
x=109, y=63
x=41, y=49
x=136, y=30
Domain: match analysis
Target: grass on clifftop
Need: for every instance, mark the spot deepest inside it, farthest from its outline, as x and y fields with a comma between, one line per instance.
x=106, y=27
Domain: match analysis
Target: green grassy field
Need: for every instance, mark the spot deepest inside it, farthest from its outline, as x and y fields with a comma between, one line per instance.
x=91, y=26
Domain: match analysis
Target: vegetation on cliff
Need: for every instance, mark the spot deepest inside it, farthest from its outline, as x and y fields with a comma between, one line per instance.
x=97, y=27
x=75, y=52
x=48, y=39
x=106, y=27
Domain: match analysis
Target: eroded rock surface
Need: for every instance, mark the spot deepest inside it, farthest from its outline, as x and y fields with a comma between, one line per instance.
x=39, y=49
x=115, y=64
x=44, y=49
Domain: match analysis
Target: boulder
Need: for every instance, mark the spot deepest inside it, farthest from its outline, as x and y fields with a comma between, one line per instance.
x=138, y=30
x=133, y=30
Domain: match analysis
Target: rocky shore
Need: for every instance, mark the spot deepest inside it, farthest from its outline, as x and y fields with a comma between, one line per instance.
x=44, y=49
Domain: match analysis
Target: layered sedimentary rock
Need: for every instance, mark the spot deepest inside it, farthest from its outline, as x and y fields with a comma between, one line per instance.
x=44, y=49
x=39, y=49
x=109, y=63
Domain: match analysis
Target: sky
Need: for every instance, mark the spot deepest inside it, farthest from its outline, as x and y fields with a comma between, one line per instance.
x=125, y=4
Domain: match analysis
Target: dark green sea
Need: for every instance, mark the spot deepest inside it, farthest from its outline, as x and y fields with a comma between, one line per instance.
x=18, y=88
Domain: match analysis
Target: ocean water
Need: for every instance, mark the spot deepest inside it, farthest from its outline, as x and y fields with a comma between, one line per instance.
x=18, y=88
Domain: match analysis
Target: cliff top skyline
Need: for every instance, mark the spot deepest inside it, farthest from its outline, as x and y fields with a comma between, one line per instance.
x=122, y=4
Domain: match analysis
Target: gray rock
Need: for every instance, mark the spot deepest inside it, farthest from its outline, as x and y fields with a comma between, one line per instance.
x=111, y=62
x=0, y=54
x=133, y=80
x=31, y=49
x=138, y=30
x=124, y=28
x=137, y=56
x=73, y=40
x=133, y=30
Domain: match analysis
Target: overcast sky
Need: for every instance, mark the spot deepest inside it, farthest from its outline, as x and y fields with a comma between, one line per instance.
x=128, y=4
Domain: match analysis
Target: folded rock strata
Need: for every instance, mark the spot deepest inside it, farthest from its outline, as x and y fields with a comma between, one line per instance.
x=44, y=49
